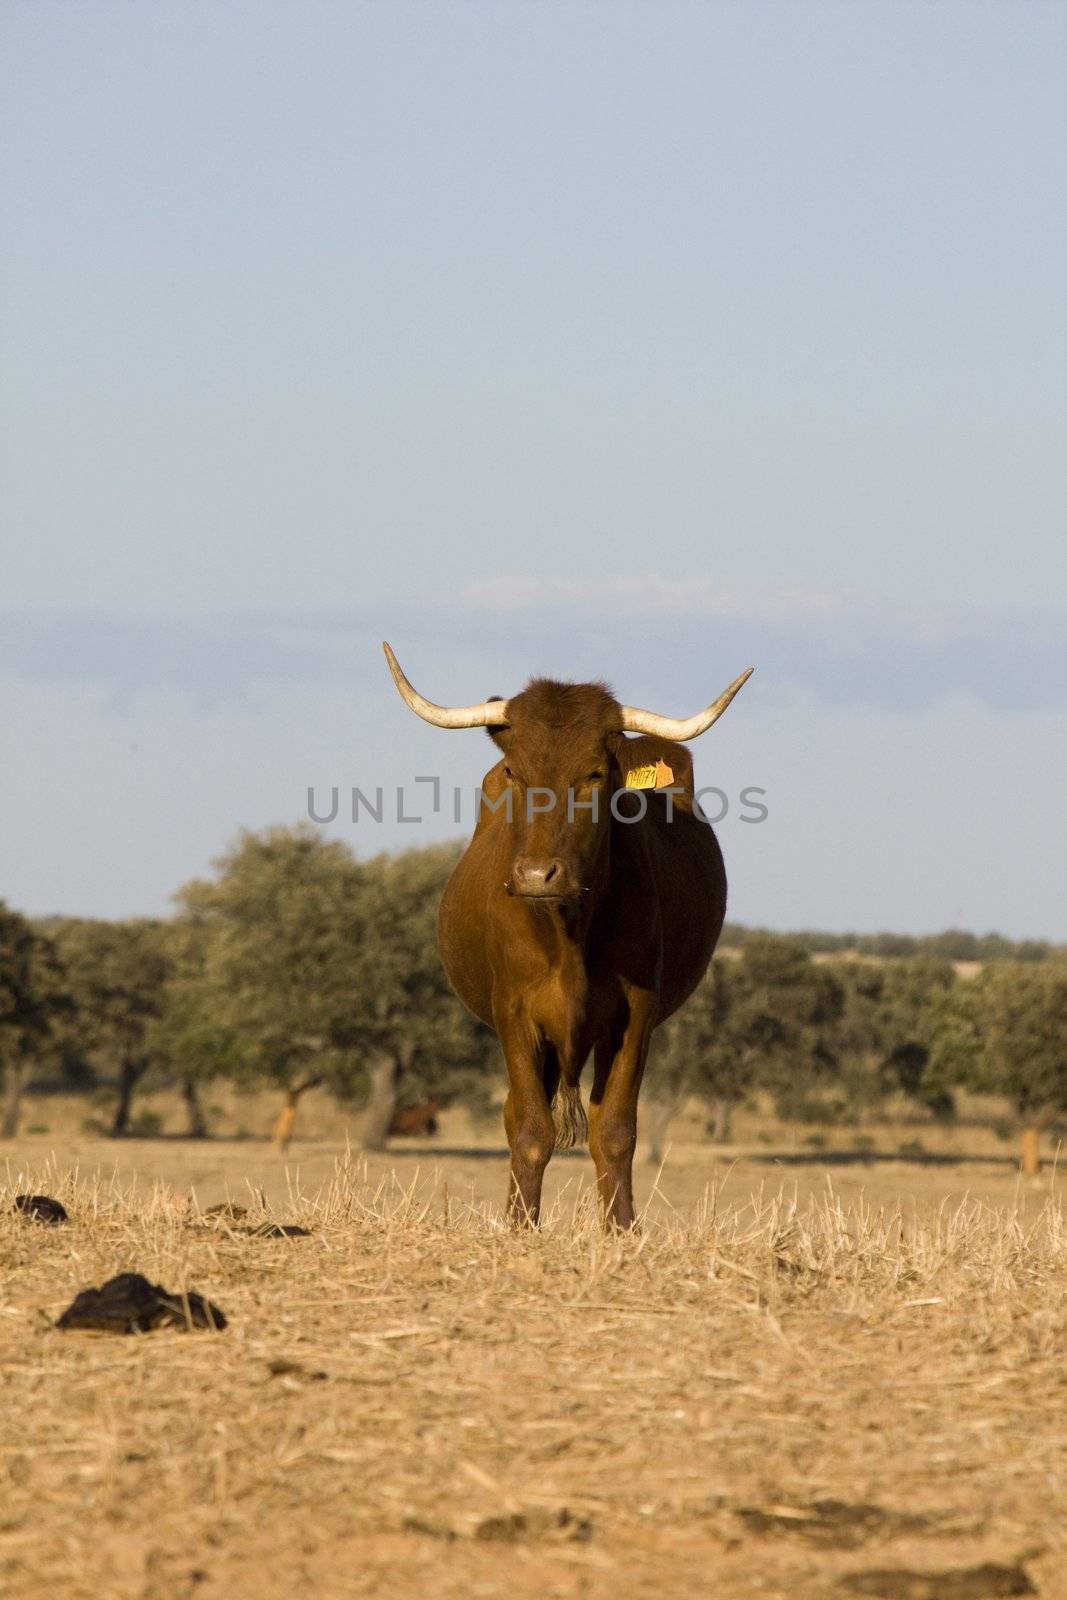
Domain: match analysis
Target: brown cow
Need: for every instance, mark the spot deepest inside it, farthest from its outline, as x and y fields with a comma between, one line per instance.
x=415, y=1122
x=582, y=914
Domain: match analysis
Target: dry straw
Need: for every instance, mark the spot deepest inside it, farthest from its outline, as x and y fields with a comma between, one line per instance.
x=414, y=1400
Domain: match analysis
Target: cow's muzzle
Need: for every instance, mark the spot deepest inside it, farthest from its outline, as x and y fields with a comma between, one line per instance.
x=540, y=878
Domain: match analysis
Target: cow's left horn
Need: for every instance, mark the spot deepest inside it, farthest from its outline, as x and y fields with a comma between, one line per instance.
x=637, y=721
x=488, y=715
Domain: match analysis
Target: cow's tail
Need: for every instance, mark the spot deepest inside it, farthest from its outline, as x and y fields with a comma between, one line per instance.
x=568, y=1114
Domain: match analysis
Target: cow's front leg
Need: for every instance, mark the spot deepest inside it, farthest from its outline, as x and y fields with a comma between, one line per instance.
x=528, y=1120
x=618, y=1066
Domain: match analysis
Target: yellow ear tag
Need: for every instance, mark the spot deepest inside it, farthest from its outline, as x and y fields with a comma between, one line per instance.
x=656, y=775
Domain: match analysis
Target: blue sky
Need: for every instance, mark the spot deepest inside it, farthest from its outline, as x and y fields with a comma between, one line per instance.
x=634, y=341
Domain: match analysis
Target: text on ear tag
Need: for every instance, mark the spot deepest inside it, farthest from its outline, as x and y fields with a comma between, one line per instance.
x=654, y=775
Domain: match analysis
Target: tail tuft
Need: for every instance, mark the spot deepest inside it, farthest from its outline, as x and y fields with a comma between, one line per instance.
x=568, y=1113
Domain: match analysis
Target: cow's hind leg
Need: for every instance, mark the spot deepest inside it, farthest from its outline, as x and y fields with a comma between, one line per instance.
x=618, y=1066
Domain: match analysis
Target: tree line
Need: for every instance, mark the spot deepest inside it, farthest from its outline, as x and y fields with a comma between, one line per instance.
x=954, y=944
x=833, y=1040
x=296, y=965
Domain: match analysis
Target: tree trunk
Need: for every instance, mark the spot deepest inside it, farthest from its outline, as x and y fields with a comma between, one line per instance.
x=1031, y=1152
x=283, y=1128
x=130, y=1075
x=196, y=1121
x=18, y=1076
x=659, y=1114
x=381, y=1102
x=722, y=1117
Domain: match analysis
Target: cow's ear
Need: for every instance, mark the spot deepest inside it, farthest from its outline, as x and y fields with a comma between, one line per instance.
x=498, y=734
x=649, y=762
x=616, y=743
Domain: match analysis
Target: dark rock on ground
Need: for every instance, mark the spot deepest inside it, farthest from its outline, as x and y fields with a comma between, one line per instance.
x=285, y=1367
x=987, y=1582
x=277, y=1230
x=227, y=1213
x=41, y=1207
x=835, y=1524
x=128, y=1303
x=537, y=1523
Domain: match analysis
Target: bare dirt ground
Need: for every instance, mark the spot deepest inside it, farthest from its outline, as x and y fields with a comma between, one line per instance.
x=806, y=1380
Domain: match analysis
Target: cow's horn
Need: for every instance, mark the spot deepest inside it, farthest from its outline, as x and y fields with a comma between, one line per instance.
x=637, y=721
x=488, y=715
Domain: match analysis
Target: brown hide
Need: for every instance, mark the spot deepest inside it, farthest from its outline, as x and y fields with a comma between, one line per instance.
x=415, y=1122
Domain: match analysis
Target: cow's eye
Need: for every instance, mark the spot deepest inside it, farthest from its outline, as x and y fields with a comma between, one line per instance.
x=508, y=772
x=595, y=777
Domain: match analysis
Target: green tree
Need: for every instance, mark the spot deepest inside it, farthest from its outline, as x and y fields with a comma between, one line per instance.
x=955, y=944
x=420, y=1040
x=270, y=983
x=788, y=1020
x=1005, y=1032
x=914, y=992
x=115, y=974
x=31, y=1004
x=890, y=1015
x=764, y=1020
x=187, y=1035
x=315, y=968
x=698, y=1053
x=884, y=944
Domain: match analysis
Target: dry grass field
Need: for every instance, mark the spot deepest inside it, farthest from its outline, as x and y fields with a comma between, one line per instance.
x=797, y=1381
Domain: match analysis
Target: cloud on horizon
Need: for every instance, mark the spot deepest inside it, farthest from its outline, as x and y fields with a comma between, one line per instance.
x=838, y=649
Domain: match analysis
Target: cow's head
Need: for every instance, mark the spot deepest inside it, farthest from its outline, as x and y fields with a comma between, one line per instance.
x=564, y=752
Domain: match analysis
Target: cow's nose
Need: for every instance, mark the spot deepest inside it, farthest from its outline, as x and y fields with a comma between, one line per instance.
x=537, y=875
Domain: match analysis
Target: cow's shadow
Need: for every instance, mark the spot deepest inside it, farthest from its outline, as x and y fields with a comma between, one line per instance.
x=720, y=1155
x=870, y=1158
x=470, y=1152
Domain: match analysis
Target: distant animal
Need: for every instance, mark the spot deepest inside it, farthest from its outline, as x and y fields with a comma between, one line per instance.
x=415, y=1122
x=583, y=913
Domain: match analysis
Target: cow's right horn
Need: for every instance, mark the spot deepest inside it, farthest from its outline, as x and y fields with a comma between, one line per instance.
x=636, y=721
x=491, y=714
